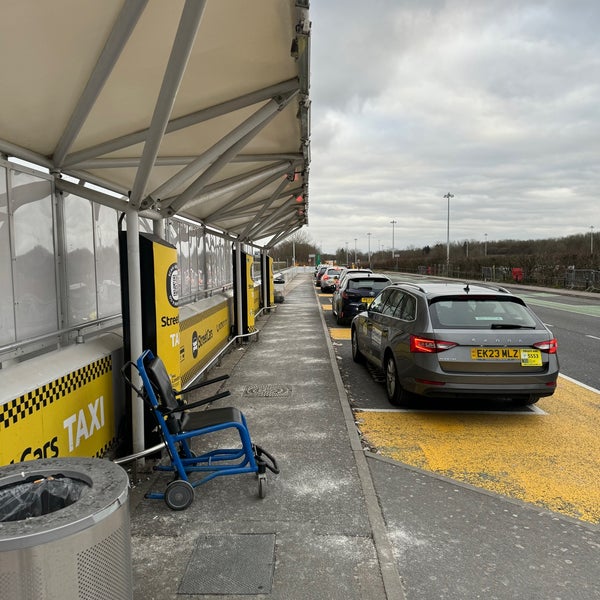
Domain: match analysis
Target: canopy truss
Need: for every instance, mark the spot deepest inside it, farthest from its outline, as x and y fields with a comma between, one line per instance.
x=192, y=107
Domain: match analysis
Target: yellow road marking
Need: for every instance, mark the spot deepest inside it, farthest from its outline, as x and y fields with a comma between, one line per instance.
x=339, y=333
x=550, y=460
x=326, y=306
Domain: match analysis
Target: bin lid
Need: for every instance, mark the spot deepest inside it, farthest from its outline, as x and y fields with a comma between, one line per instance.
x=106, y=489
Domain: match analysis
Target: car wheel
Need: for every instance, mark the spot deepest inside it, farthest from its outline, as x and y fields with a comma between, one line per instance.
x=357, y=355
x=396, y=394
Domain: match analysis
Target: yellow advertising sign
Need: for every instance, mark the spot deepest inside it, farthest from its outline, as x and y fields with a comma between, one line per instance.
x=166, y=296
x=201, y=337
x=70, y=416
x=271, y=284
x=250, y=302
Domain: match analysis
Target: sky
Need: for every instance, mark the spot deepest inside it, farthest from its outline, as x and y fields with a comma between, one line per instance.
x=496, y=102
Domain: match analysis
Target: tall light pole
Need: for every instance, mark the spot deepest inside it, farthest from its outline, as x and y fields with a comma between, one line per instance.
x=355, y=240
x=347, y=257
x=393, y=240
x=485, y=245
x=591, y=240
x=369, y=253
x=448, y=196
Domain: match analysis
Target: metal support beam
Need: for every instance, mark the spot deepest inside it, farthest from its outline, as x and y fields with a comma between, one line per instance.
x=218, y=110
x=122, y=30
x=135, y=323
x=180, y=53
x=255, y=120
x=196, y=187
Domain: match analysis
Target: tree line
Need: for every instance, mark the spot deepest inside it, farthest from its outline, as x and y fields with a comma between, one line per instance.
x=557, y=262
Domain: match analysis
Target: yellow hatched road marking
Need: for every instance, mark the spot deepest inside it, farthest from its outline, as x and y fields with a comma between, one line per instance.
x=550, y=460
x=339, y=333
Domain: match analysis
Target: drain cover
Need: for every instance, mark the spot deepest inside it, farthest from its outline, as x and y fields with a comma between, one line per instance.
x=231, y=564
x=268, y=390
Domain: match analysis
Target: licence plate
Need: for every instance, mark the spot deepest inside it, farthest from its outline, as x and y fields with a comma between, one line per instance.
x=366, y=301
x=528, y=357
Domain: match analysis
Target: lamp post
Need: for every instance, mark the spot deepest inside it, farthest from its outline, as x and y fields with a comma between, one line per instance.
x=591, y=240
x=448, y=196
x=355, y=240
x=369, y=252
x=393, y=240
x=347, y=257
x=485, y=245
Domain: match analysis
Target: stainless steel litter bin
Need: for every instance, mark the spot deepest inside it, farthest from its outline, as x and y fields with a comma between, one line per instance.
x=64, y=530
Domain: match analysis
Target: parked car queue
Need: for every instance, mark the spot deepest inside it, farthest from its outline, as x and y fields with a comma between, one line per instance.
x=448, y=340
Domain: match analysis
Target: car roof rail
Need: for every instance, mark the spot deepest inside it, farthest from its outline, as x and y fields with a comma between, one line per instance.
x=412, y=284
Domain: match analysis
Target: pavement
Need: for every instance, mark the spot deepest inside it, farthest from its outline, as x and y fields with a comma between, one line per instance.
x=339, y=522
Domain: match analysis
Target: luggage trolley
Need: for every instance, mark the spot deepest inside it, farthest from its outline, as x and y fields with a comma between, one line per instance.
x=178, y=427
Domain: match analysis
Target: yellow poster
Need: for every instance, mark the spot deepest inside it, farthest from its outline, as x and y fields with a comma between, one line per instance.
x=250, y=302
x=70, y=416
x=166, y=295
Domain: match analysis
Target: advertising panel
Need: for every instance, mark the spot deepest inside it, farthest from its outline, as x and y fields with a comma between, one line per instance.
x=70, y=416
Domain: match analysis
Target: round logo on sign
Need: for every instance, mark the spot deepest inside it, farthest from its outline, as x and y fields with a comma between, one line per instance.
x=173, y=284
x=195, y=344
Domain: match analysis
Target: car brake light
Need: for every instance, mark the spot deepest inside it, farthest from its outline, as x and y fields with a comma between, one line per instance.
x=428, y=345
x=549, y=346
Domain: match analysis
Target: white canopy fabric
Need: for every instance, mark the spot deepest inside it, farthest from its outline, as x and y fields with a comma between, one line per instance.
x=192, y=107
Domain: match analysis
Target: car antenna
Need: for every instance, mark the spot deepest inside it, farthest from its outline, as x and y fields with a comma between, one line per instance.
x=467, y=288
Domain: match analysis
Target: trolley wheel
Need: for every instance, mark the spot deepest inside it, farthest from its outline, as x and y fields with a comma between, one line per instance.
x=262, y=486
x=179, y=494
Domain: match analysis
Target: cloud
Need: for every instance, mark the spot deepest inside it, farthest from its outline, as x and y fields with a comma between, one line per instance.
x=497, y=102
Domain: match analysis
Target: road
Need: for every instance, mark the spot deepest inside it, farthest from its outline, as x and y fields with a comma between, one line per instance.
x=546, y=454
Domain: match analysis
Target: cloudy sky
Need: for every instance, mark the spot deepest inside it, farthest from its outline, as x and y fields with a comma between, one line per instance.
x=494, y=101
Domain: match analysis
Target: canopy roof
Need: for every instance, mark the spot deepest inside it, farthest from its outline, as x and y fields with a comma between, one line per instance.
x=189, y=107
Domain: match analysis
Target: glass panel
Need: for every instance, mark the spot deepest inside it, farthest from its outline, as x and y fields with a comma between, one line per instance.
x=183, y=255
x=193, y=259
x=80, y=267
x=7, y=307
x=107, y=260
x=34, y=266
x=201, y=274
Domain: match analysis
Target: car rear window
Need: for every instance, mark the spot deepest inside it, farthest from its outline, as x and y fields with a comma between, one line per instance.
x=480, y=313
x=376, y=284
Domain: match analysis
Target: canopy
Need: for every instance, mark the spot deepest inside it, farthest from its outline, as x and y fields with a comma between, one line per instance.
x=195, y=108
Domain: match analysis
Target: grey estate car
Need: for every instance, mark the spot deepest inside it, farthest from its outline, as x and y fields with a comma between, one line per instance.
x=456, y=340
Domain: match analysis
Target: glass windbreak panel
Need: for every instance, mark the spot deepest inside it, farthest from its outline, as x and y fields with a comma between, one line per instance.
x=7, y=306
x=107, y=260
x=201, y=264
x=211, y=260
x=80, y=267
x=481, y=313
x=193, y=259
x=34, y=264
x=183, y=255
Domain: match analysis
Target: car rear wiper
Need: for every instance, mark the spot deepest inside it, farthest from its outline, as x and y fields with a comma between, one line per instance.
x=510, y=326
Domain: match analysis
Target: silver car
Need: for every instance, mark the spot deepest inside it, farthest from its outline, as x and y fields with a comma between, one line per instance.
x=451, y=340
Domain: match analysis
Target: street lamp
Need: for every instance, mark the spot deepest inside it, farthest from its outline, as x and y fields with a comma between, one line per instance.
x=448, y=196
x=591, y=240
x=393, y=240
x=355, y=240
x=347, y=257
x=369, y=253
x=485, y=245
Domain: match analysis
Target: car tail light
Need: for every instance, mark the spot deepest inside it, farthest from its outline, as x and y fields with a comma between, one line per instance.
x=429, y=345
x=548, y=346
